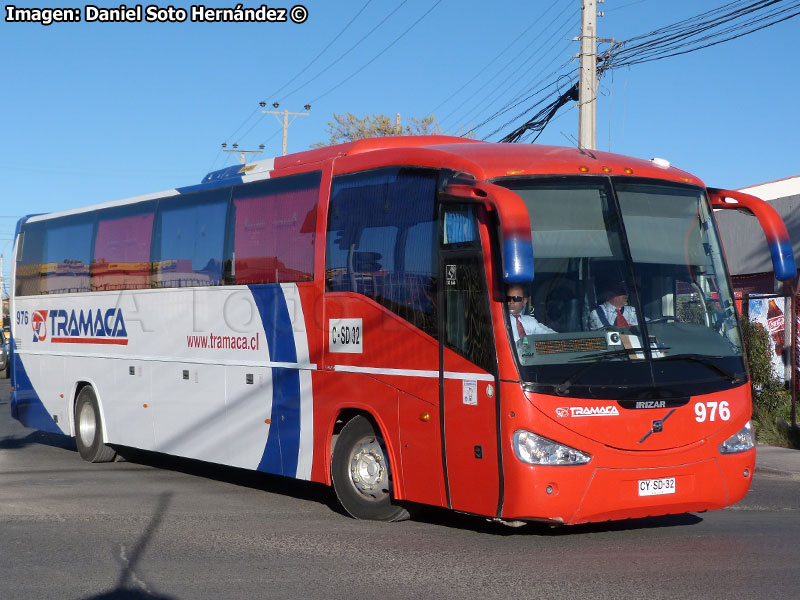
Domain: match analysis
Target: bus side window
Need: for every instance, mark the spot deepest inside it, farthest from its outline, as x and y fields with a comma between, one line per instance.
x=121, y=258
x=189, y=240
x=66, y=249
x=274, y=228
x=29, y=261
x=382, y=242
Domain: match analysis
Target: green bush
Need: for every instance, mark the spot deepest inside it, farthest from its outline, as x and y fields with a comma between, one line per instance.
x=772, y=401
x=689, y=310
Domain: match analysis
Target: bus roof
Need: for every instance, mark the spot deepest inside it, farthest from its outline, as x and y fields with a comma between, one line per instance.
x=482, y=160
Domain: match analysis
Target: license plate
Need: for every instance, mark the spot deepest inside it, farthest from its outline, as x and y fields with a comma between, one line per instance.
x=657, y=487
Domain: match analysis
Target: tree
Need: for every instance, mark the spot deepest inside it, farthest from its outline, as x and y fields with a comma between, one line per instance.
x=348, y=127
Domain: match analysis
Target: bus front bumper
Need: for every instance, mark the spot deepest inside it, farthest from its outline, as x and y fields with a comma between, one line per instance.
x=582, y=494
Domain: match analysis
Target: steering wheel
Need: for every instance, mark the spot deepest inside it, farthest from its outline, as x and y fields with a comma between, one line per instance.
x=665, y=319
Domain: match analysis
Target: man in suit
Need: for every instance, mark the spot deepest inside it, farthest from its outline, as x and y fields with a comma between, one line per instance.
x=522, y=324
x=614, y=311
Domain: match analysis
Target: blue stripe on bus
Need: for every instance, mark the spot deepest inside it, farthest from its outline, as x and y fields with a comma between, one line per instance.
x=783, y=260
x=283, y=442
x=207, y=186
x=26, y=406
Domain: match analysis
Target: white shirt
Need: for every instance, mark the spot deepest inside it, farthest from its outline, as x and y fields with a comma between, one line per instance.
x=595, y=322
x=529, y=323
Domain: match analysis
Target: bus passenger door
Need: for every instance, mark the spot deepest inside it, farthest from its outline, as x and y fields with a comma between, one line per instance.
x=468, y=394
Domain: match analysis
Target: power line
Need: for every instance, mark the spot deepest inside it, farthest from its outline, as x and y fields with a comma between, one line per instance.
x=492, y=92
x=608, y=10
x=348, y=51
x=728, y=22
x=256, y=111
x=535, y=80
x=491, y=62
x=381, y=53
x=519, y=101
x=536, y=125
x=323, y=51
x=344, y=54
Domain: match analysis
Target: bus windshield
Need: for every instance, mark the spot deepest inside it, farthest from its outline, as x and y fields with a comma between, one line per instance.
x=630, y=297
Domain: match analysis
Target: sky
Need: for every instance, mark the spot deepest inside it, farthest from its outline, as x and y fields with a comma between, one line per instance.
x=95, y=111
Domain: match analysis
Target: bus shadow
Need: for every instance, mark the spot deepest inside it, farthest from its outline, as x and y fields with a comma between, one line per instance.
x=266, y=482
x=38, y=438
x=445, y=518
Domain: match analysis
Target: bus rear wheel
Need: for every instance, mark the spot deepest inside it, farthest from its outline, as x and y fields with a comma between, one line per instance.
x=361, y=473
x=89, y=429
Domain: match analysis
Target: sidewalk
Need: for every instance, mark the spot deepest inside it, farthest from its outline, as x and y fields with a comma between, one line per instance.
x=778, y=461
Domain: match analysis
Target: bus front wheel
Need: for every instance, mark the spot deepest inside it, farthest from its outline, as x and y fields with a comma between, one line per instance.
x=362, y=474
x=89, y=429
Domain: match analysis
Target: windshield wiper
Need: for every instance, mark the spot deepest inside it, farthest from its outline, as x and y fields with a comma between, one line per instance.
x=562, y=388
x=705, y=360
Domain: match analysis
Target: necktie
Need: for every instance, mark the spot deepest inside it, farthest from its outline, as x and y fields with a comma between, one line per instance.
x=520, y=328
x=621, y=321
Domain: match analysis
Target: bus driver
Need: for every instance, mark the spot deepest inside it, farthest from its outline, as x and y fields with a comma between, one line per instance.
x=522, y=324
x=615, y=310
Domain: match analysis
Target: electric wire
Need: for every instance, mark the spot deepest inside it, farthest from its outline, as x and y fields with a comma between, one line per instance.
x=348, y=51
x=608, y=10
x=491, y=62
x=481, y=104
x=495, y=94
x=728, y=22
x=323, y=51
x=381, y=53
x=557, y=73
x=335, y=38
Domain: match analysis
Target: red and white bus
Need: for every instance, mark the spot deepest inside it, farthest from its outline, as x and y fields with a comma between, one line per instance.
x=340, y=315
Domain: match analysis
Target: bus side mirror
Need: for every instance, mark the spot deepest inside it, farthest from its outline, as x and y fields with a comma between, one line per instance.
x=515, y=228
x=780, y=246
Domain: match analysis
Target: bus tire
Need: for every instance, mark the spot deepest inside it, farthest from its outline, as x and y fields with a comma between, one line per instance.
x=361, y=474
x=89, y=429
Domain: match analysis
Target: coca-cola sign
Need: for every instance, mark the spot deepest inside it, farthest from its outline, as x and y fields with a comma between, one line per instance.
x=769, y=313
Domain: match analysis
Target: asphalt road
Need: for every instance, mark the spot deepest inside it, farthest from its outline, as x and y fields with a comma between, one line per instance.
x=151, y=527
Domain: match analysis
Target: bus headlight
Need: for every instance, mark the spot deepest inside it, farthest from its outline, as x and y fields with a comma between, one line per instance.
x=741, y=441
x=537, y=450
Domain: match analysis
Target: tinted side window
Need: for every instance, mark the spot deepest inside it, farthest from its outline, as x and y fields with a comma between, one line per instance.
x=122, y=248
x=382, y=241
x=55, y=256
x=274, y=228
x=189, y=239
x=28, y=276
x=468, y=323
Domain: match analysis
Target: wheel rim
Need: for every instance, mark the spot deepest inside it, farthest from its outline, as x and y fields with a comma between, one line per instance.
x=368, y=472
x=87, y=424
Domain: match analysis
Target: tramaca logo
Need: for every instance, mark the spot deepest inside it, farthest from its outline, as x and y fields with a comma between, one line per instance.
x=39, y=324
x=95, y=326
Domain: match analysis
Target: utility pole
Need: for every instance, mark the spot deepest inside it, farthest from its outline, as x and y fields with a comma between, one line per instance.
x=241, y=153
x=286, y=121
x=587, y=86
